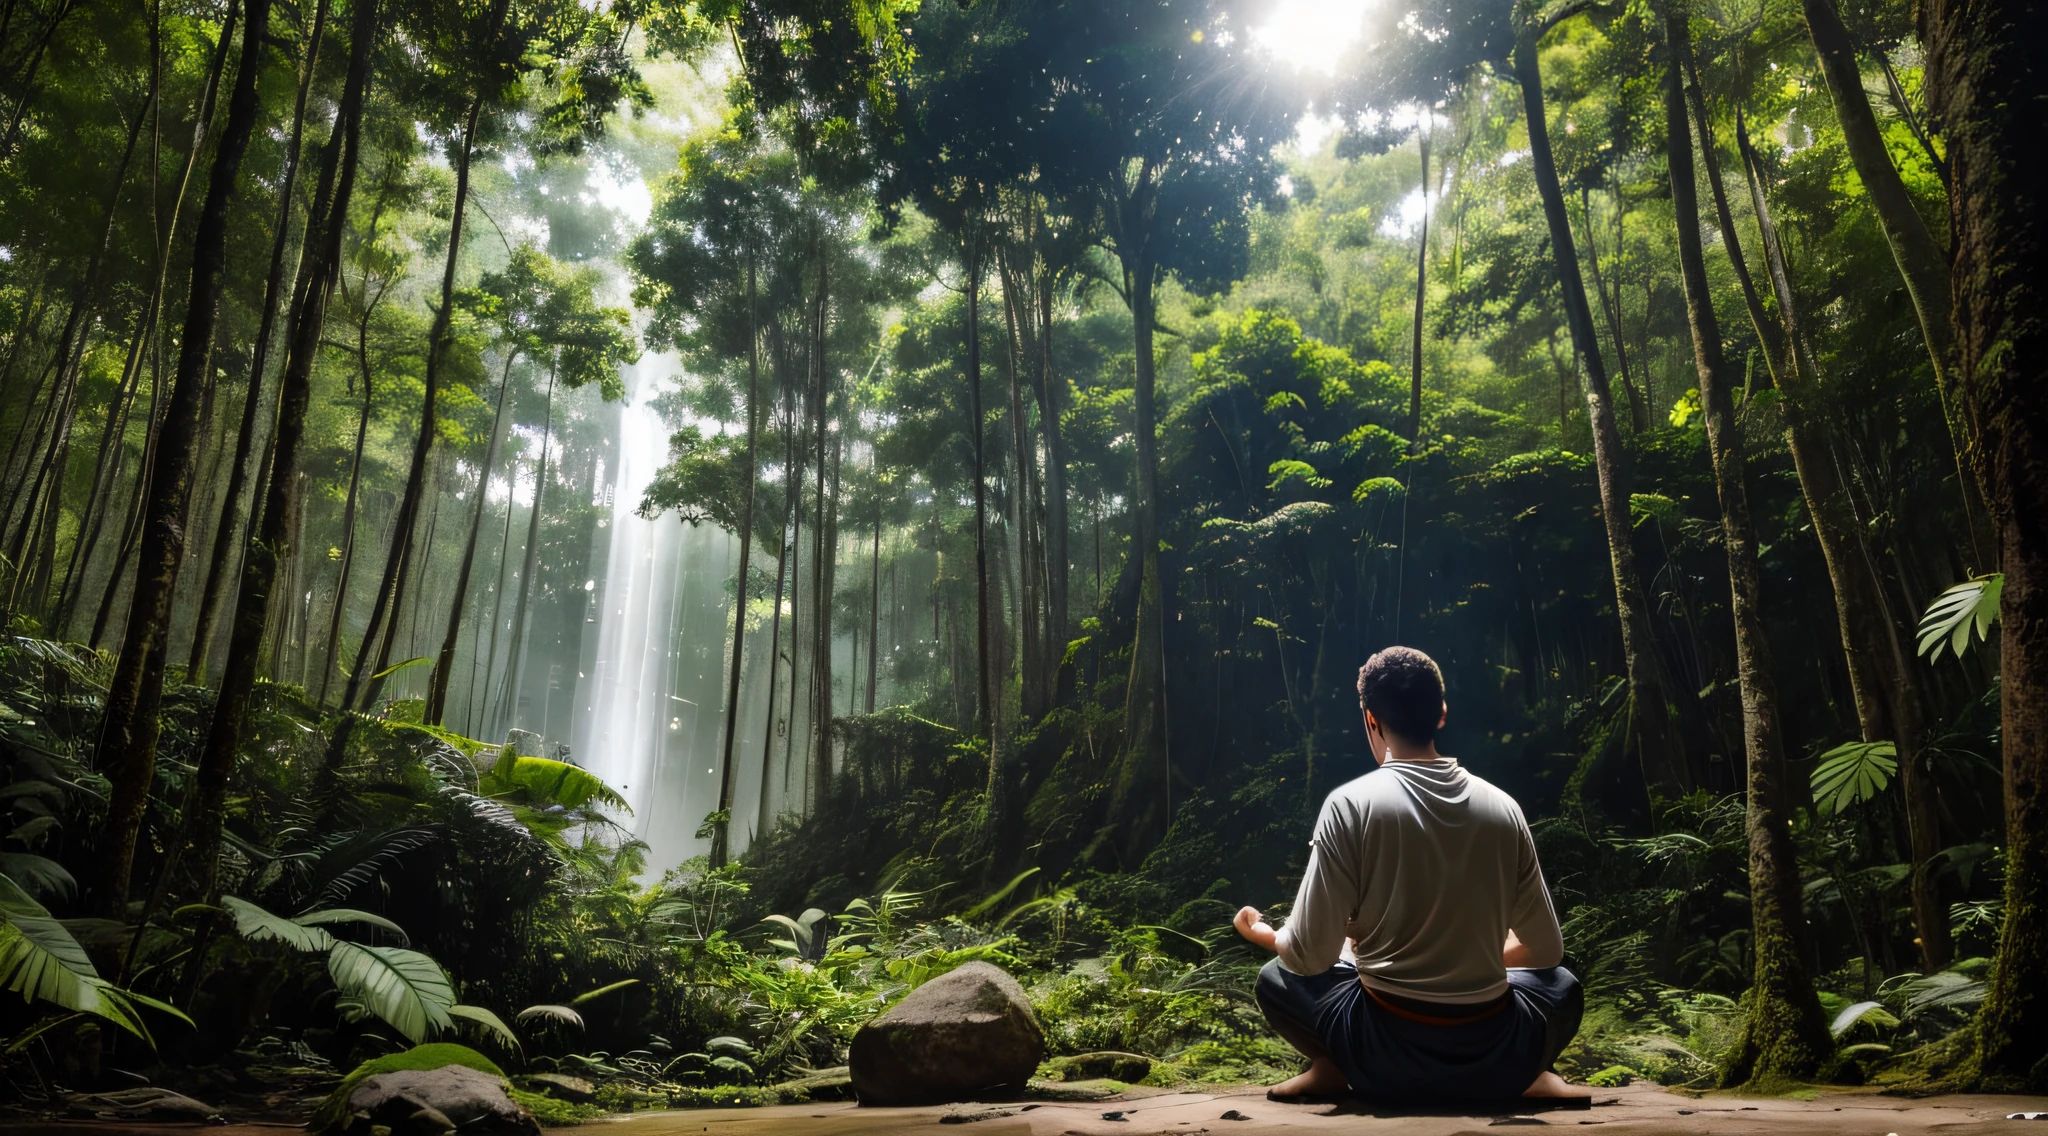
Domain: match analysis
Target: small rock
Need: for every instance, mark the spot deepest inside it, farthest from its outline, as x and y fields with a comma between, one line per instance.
x=1233, y=1114
x=146, y=1103
x=1129, y=1068
x=563, y=1086
x=965, y=1033
x=1118, y=1115
x=434, y=1102
x=971, y=1116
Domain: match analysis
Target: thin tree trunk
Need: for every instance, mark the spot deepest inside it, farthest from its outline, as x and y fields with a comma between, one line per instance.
x=721, y=837
x=130, y=726
x=1710, y=155
x=1784, y=1035
x=1881, y=679
x=348, y=514
x=444, y=665
x=1658, y=746
x=270, y=540
x=783, y=540
x=224, y=544
x=1051, y=406
x=985, y=699
x=1922, y=264
x=1985, y=62
x=824, y=557
x=515, y=655
x=362, y=688
x=874, y=591
x=483, y=660
x=1421, y=296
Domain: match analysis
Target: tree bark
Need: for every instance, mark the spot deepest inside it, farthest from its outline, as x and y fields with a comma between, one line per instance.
x=1987, y=68
x=985, y=701
x=1144, y=779
x=444, y=664
x=1922, y=264
x=1882, y=681
x=245, y=437
x=515, y=654
x=721, y=836
x=1655, y=734
x=1050, y=407
x=1784, y=1035
x=363, y=688
x=131, y=725
x=1710, y=156
x=1421, y=299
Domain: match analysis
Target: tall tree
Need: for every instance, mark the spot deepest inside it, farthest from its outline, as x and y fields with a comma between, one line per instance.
x=130, y=726
x=1650, y=723
x=1784, y=1035
x=1985, y=61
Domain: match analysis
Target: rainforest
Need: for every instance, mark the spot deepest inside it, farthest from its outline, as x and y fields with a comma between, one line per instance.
x=613, y=546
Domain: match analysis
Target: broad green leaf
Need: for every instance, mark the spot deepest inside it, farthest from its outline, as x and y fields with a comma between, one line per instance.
x=550, y=1012
x=488, y=1020
x=405, y=988
x=41, y=961
x=258, y=925
x=1850, y=773
x=1972, y=604
x=38, y=875
x=350, y=915
x=41, y=930
x=545, y=781
x=1850, y=1015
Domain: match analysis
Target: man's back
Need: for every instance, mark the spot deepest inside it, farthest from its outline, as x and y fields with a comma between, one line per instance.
x=1425, y=868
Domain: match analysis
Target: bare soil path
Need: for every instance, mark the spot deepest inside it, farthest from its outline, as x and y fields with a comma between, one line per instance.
x=1640, y=1110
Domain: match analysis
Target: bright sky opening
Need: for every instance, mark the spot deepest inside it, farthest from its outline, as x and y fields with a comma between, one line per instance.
x=1312, y=34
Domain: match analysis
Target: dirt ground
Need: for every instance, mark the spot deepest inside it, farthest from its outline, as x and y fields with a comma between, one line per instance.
x=1643, y=1110
x=1639, y=1110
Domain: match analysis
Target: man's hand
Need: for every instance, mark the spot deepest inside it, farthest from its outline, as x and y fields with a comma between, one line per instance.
x=1254, y=929
x=1514, y=953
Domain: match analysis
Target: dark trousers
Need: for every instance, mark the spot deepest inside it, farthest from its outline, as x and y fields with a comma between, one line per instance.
x=1388, y=1054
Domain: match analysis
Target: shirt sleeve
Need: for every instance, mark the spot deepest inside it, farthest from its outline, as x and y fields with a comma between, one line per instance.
x=1313, y=938
x=1534, y=920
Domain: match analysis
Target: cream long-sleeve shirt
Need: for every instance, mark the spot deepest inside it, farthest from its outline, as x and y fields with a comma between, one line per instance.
x=1425, y=868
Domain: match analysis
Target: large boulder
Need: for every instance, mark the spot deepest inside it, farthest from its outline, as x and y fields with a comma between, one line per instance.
x=434, y=1102
x=968, y=1033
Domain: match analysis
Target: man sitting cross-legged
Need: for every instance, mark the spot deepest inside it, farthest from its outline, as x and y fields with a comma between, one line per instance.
x=1420, y=959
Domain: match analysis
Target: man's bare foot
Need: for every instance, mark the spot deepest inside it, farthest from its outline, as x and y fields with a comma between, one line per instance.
x=1550, y=1086
x=1321, y=1079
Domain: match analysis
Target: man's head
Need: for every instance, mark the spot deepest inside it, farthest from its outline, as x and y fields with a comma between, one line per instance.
x=1401, y=691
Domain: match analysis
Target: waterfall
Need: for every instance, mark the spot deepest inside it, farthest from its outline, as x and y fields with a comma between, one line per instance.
x=649, y=705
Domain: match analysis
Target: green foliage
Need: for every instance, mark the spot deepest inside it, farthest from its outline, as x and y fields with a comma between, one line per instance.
x=41, y=961
x=1853, y=772
x=540, y=781
x=1949, y=620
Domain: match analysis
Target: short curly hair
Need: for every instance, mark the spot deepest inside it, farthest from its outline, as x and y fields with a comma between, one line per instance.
x=1404, y=689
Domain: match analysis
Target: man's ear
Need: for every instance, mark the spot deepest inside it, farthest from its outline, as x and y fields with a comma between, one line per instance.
x=1443, y=717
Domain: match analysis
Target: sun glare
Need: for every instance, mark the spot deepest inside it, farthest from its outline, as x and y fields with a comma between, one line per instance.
x=1312, y=34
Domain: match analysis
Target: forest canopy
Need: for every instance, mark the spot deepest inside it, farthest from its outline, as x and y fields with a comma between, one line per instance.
x=922, y=479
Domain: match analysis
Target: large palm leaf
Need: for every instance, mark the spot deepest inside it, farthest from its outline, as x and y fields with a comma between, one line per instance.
x=403, y=987
x=1949, y=620
x=41, y=961
x=543, y=781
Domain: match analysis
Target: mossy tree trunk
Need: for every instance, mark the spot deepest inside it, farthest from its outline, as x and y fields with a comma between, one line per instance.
x=1785, y=1036
x=1987, y=66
